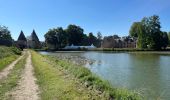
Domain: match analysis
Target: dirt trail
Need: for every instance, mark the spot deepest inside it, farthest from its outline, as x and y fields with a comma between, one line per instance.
x=27, y=88
x=4, y=73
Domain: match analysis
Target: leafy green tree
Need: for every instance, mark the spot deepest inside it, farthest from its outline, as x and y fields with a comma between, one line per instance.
x=150, y=33
x=92, y=39
x=155, y=32
x=134, y=29
x=139, y=30
x=142, y=40
x=62, y=37
x=99, y=39
x=169, y=38
x=75, y=34
x=5, y=33
x=99, y=35
x=116, y=36
x=56, y=37
x=164, y=39
x=85, y=40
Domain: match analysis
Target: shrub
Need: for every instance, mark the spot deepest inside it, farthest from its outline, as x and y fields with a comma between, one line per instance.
x=16, y=50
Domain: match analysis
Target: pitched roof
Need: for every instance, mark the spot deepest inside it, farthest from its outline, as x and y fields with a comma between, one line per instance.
x=22, y=36
x=34, y=36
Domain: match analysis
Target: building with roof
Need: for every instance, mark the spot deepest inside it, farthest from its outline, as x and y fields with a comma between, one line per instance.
x=33, y=41
x=22, y=41
x=119, y=42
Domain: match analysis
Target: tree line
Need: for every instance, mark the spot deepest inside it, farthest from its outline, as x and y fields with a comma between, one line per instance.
x=73, y=34
x=5, y=36
x=5, y=33
x=149, y=33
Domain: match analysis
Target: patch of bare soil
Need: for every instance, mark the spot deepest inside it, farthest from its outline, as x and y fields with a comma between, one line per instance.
x=27, y=88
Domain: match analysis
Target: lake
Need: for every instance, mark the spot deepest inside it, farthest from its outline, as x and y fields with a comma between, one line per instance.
x=146, y=72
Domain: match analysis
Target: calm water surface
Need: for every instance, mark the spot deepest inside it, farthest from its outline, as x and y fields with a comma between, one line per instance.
x=147, y=72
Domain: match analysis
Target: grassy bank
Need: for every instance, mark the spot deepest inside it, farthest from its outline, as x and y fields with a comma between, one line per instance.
x=54, y=83
x=62, y=80
x=7, y=55
x=11, y=81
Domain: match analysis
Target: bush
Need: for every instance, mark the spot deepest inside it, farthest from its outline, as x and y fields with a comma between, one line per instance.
x=16, y=50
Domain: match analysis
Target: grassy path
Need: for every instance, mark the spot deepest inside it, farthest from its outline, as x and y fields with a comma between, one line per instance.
x=4, y=73
x=56, y=80
x=8, y=55
x=10, y=82
x=27, y=89
x=55, y=84
x=6, y=61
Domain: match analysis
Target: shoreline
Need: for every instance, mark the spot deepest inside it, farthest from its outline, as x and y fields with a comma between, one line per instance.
x=82, y=75
x=139, y=52
x=105, y=49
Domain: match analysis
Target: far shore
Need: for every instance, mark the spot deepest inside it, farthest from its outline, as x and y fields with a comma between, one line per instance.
x=134, y=50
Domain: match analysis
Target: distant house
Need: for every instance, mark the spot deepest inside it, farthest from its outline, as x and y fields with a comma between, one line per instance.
x=33, y=41
x=29, y=42
x=79, y=47
x=22, y=41
x=119, y=42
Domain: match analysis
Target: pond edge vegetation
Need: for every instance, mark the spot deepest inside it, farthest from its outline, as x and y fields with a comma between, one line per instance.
x=90, y=80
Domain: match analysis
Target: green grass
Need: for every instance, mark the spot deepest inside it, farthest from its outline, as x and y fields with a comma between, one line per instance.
x=51, y=74
x=7, y=60
x=8, y=51
x=7, y=55
x=11, y=81
x=91, y=80
x=55, y=83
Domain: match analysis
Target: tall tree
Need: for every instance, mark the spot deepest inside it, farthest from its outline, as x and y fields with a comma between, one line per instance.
x=56, y=37
x=99, y=39
x=99, y=35
x=169, y=37
x=142, y=41
x=62, y=37
x=155, y=32
x=134, y=29
x=116, y=36
x=151, y=32
x=75, y=34
x=164, y=39
x=5, y=33
x=92, y=39
x=85, y=40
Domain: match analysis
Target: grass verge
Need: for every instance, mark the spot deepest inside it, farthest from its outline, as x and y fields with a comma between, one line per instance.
x=51, y=74
x=86, y=77
x=6, y=61
x=54, y=83
x=7, y=55
x=11, y=81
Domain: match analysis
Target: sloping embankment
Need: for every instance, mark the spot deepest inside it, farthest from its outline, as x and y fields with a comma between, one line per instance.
x=8, y=55
x=61, y=80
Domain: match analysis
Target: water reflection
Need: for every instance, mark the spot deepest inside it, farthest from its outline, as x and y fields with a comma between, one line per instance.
x=145, y=74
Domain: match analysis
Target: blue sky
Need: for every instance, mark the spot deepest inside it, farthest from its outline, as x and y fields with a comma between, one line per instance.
x=107, y=16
